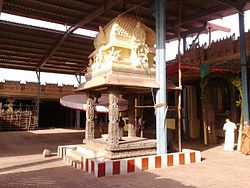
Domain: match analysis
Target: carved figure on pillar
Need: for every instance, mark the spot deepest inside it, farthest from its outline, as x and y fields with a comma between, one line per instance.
x=113, y=130
x=89, y=130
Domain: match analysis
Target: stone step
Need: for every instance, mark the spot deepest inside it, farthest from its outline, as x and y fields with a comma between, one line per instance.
x=77, y=155
x=63, y=151
x=90, y=151
x=73, y=162
x=69, y=150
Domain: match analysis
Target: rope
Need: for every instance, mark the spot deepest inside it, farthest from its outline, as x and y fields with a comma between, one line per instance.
x=136, y=6
x=146, y=69
x=152, y=93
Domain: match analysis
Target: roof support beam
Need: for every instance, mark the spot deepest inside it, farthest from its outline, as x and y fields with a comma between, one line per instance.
x=243, y=65
x=204, y=29
x=187, y=33
x=200, y=15
x=215, y=27
x=108, y=4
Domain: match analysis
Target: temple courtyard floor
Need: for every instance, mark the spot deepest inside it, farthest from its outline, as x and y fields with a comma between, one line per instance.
x=22, y=165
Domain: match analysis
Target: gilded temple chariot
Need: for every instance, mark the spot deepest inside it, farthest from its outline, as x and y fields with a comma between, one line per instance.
x=121, y=64
x=124, y=46
x=125, y=40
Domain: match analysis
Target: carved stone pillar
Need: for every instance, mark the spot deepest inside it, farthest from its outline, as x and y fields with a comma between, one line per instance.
x=113, y=130
x=89, y=129
x=131, y=117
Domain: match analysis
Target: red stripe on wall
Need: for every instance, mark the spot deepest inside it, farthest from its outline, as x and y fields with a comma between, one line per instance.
x=92, y=167
x=144, y=162
x=101, y=169
x=116, y=167
x=192, y=157
x=158, y=162
x=170, y=159
x=181, y=159
x=87, y=165
x=131, y=165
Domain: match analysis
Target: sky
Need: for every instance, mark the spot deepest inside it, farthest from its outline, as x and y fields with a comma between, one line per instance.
x=171, y=48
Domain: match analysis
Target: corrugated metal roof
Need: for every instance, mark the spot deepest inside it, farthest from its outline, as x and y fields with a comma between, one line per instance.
x=27, y=47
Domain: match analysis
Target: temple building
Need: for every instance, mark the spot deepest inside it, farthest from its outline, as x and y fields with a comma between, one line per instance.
x=212, y=87
x=18, y=109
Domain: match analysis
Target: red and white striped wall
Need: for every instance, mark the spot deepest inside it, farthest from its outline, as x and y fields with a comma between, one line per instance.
x=128, y=165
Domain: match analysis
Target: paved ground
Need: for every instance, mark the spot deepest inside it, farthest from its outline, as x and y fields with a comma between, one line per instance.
x=22, y=165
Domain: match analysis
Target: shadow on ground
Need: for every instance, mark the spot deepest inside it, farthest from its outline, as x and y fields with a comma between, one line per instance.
x=69, y=177
x=27, y=143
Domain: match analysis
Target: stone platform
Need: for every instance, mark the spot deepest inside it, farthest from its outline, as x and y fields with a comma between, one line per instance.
x=133, y=154
x=128, y=147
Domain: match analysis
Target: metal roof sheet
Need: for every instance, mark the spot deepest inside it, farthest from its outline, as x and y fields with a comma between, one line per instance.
x=30, y=48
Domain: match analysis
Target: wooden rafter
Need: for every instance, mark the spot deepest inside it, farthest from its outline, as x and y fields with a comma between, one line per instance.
x=187, y=33
x=215, y=27
x=99, y=11
x=203, y=29
x=200, y=15
x=36, y=43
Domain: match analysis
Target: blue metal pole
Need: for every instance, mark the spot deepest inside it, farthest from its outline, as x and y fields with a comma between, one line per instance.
x=78, y=114
x=161, y=96
x=184, y=44
x=243, y=65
